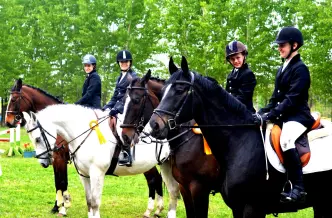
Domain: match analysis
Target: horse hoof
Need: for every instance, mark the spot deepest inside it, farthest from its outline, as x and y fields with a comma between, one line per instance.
x=146, y=217
x=157, y=215
x=54, y=210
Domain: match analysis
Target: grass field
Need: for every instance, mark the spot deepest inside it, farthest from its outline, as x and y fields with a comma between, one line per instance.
x=27, y=190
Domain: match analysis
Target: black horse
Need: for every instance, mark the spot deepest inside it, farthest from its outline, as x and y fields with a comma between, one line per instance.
x=246, y=189
x=196, y=172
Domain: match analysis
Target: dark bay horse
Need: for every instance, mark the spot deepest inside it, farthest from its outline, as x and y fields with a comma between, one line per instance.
x=196, y=172
x=28, y=98
x=236, y=144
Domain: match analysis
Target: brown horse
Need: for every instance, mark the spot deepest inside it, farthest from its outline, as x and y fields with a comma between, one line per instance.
x=196, y=172
x=28, y=98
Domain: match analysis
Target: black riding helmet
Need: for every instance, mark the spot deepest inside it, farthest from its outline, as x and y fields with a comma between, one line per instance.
x=290, y=35
x=124, y=55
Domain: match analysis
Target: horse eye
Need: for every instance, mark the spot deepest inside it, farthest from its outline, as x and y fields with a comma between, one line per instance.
x=38, y=140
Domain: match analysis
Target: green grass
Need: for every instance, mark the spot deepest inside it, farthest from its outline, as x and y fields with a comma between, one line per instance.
x=27, y=190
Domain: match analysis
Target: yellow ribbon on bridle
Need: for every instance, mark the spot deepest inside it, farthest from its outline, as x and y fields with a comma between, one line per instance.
x=94, y=126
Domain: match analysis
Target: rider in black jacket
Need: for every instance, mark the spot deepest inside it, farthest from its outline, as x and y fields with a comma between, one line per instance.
x=124, y=60
x=241, y=81
x=289, y=105
x=91, y=94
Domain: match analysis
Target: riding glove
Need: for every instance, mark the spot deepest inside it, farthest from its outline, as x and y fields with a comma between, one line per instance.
x=113, y=112
x=260, y=119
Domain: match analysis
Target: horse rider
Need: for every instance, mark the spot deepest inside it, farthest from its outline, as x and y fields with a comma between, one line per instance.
x=241, y=81
x=125, y=61
x=289, y=105
x=91, y=94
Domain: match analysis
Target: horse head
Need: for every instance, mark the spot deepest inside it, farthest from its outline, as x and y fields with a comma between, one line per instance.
x=26, y=98
x=176, y=104
x=43, y=140
x=140, y=101
x=15, y=105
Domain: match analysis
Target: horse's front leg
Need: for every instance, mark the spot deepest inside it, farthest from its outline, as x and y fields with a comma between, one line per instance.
x=172, y=187
x=88, y=194
x=61, y=183
x=200, y=197
x=188, y=202
x=97, y=177
x=154, y=181
x=253, y=211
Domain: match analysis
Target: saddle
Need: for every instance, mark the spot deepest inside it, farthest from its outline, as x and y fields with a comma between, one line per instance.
x=301, y=144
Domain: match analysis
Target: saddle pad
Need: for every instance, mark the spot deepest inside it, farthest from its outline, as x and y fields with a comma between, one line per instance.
x=322, y=132
x=320, y=160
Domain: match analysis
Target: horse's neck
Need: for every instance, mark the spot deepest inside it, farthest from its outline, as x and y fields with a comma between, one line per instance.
x=74, y=124
x=241, y=143
x=39, y=100
x=216, y=107
x=155, y=88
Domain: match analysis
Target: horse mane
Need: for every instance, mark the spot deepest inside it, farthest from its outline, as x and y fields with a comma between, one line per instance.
x=158, y=80
x=44, y=92
x=153, y=80
x=212, y=88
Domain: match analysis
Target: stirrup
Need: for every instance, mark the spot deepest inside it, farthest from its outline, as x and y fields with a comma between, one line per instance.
x=288, y=196
x=125, y=160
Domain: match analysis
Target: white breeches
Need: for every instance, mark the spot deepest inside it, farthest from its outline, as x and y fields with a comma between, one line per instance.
x=290, y=132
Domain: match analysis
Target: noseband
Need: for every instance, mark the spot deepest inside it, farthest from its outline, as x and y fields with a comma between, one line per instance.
x=172, y=121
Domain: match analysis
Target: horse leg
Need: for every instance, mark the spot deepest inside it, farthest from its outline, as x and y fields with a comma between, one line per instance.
x=154, y=180
x=188, y=202
x=322, y=209
x=97, y=183
x=172, y=187
x=88, y=194
x=160, y=199
x=200, y=197
x=61, y=182
x=253, y=211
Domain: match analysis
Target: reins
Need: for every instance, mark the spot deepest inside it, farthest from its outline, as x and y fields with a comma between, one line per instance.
x=72, y=154
x=172, y=124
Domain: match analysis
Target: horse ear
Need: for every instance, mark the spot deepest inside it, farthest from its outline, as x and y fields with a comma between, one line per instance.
x=184, y=65
x=171, y=66
x=33, y=116
x=146, y=78
x=19, y=84
x=26, y=117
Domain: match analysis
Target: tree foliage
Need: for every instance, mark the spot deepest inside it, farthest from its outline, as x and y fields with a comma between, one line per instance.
x=43, y=41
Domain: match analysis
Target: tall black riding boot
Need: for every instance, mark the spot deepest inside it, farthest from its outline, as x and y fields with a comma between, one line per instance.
x=125, y=156
x=296, y=193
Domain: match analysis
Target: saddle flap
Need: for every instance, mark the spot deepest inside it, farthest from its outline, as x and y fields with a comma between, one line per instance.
x=301, y=144
x=316, y=115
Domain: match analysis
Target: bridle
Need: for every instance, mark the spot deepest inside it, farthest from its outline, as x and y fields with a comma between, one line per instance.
x=49, y=150
x=26, y=100
x=138, y=121
x=43, y=133
x=172, y=121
